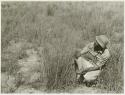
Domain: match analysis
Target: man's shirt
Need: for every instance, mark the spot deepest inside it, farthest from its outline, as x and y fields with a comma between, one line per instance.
x=98, y=58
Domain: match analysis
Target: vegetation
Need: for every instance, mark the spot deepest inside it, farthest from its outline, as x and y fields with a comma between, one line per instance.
x=59, y=28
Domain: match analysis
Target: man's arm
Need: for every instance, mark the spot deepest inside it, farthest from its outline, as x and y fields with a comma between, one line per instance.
x=86, y=48
x=80, y=52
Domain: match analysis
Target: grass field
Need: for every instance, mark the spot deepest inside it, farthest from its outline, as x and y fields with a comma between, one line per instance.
x=55, y=30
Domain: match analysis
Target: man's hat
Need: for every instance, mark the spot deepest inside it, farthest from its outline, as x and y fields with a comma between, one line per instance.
x=102, y=40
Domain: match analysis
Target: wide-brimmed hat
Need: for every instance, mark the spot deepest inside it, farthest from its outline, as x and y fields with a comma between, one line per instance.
x=102, y=40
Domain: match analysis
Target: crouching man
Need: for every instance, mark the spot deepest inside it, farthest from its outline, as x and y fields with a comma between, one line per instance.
x=91, y=59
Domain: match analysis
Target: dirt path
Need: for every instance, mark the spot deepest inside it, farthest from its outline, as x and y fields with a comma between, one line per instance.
x=30, y=71
x=30, y=68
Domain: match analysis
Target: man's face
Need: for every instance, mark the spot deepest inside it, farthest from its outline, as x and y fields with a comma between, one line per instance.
x=96, y=44
x=97, y=47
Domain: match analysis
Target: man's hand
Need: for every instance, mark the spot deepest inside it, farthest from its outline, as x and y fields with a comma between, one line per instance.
x=93, y=53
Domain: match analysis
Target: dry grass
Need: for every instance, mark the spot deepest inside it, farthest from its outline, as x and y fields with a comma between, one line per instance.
x=60, y=28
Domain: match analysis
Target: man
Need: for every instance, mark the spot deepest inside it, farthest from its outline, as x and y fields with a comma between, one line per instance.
x=92, y=58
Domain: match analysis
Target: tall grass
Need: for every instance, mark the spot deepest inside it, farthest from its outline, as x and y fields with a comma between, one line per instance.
x=60, y=28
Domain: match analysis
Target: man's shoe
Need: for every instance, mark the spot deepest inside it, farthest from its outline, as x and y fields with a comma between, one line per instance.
x=88, y=84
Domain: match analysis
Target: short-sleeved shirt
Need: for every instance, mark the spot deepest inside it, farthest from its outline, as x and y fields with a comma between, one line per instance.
x=99, y=58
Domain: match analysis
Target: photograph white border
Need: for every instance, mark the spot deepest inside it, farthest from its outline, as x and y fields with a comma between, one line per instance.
x=62, y=1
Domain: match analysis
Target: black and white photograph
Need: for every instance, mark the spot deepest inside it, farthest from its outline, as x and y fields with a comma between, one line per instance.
x=74, y=47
